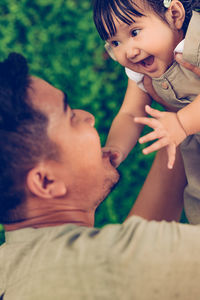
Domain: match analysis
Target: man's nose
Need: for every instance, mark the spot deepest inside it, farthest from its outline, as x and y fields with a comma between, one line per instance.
x=89, y=118
x=86, y=117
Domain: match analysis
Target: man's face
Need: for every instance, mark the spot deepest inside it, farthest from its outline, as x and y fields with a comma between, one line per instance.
x=87, y=175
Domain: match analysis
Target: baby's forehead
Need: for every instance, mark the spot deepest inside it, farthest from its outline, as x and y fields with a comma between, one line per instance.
x=109, y=12
x=119, y=26
x=116, y=23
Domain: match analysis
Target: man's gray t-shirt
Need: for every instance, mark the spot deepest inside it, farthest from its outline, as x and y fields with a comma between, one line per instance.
x=136, y=260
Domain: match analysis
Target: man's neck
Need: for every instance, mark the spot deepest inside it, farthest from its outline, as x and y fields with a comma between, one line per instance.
x=78, y=217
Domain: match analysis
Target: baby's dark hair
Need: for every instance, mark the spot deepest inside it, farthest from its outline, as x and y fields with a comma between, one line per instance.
x=104, y=12
x=23, y=137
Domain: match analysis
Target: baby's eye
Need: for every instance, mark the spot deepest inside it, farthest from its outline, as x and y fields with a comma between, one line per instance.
x=135, y=32
x=115, y=43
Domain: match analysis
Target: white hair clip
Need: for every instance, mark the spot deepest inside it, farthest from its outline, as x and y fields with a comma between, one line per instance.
x=167, y=3
x=109, y=50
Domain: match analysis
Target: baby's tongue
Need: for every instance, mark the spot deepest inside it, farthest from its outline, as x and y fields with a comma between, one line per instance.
x=149, y=60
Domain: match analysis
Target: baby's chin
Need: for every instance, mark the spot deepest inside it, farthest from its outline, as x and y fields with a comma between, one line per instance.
x=158, y=72
x=151, y=67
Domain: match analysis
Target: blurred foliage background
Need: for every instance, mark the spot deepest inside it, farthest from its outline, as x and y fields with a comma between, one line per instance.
x=61, y=44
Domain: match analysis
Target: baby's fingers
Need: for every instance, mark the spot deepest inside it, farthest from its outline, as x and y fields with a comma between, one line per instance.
x=151, y=122
x=151, y=136
x=156, y=146
x=171, y=150
x=153, y=112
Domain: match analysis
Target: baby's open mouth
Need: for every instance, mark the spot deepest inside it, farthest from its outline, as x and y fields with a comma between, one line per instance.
x=148, y=61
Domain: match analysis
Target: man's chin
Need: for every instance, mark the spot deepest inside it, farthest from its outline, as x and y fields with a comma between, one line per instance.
x=117, y=176
x=112, y=176
x=112, y=180
x=109, y=184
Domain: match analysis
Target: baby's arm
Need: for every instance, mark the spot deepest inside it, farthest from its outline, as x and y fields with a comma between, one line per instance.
x=124, y=132
x=171, y=128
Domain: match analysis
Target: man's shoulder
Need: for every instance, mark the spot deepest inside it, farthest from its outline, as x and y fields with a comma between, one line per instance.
x=61, y=245
x=114, y=261
x=2, y=270
x=74, y=238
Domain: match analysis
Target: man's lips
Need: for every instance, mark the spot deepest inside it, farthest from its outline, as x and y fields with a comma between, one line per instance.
x=108, y=156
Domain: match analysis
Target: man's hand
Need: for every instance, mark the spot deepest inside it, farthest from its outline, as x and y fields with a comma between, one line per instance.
x=187, y=65
x=167, y=130
x=116, y=156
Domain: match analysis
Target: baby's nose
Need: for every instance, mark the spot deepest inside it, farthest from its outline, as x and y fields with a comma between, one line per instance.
x=132, y=52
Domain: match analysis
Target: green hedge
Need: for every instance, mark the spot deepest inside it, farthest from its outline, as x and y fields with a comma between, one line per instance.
x=61, y=44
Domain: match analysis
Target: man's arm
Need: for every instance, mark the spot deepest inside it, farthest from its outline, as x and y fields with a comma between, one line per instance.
x=161, y=197
x=187, y=65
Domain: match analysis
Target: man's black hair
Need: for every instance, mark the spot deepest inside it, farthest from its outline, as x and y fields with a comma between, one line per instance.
x=23, y=137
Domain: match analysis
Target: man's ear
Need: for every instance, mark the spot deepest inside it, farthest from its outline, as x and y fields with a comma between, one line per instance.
x=176, y=14
x=42, y=183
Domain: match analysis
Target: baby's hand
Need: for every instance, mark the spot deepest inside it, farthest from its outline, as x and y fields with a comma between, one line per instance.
x=116, y=155
x=167, y=129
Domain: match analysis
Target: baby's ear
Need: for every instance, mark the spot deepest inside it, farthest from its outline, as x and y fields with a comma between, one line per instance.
x=176, y=14
x=109, y=50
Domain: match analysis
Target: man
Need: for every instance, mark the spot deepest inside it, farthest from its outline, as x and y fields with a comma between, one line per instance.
x=52, y=178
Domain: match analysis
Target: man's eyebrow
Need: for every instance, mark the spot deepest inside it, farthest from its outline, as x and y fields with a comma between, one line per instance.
x=65, y=102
